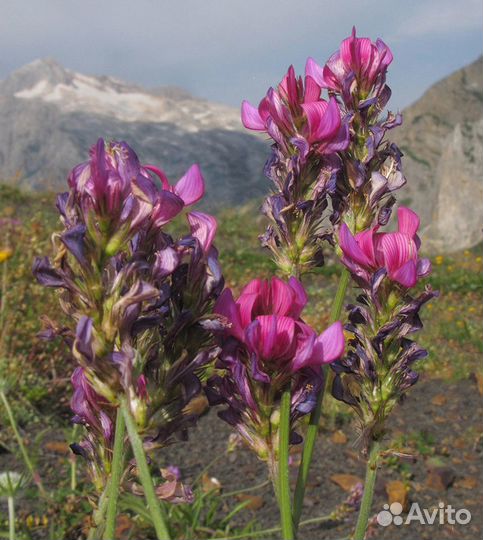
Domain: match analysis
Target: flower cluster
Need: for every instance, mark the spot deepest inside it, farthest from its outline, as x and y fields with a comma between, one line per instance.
x=327, y=153
x=334, y=175
x=137, y=302
x=266, y=347
x=377, y=370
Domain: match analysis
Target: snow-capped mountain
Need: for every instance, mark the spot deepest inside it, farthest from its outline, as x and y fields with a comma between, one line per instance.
x=49, y=116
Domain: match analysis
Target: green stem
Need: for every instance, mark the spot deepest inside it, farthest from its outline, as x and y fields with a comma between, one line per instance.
x=99, y=516
x=283, y=472
x=368, y=495
x=137, y=446
x=313, y=427
x=28, y=462
x=116, y=472
x=73, y=459
x=265, y=532
x=11, y=518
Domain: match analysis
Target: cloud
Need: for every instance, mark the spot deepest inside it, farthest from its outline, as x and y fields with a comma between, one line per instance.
x=440, y=17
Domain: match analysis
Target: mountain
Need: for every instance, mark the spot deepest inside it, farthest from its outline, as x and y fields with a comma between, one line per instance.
x=50, y=116
x=442, y=139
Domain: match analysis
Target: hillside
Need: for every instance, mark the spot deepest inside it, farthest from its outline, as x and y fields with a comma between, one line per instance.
x=50, y=115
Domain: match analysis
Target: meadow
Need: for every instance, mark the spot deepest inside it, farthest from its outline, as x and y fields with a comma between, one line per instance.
x=440, y=429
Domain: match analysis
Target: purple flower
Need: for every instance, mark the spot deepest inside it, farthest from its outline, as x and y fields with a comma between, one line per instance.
x=294, y=114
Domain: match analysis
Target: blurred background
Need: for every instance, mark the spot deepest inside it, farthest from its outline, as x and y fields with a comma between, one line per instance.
x=168, y=77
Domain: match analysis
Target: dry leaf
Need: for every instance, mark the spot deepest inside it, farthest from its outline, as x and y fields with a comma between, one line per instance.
x=439, y=400
x=58, y=447
x=339, y=437
x=210, y=483
x=255, y=501
x=397, y=491
x=346, y=481
x=469, y=482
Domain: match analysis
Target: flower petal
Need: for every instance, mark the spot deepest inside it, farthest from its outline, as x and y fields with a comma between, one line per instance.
x=191, y=186
x=329, y=346
x=313, y=70
x=408, y=221
x=251, y=118
x=351, y=248
x=203, y=227
x=406, y=275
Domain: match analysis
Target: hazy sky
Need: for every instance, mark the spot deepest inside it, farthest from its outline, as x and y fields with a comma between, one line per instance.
x=228, y=50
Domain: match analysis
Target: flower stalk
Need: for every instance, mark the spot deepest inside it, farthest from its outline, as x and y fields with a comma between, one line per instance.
x=368, y=495
x=155, y=508
x=283, y=471
x=314, y=421
x=28, y=461
x=116, y=473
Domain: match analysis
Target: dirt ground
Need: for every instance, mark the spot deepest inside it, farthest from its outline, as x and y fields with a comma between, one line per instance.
x=455, y=427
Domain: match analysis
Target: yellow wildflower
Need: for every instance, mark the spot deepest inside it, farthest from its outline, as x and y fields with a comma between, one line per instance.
x=5, y=254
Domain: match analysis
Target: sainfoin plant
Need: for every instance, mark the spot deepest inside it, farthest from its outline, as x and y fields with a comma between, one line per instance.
x=151, y=326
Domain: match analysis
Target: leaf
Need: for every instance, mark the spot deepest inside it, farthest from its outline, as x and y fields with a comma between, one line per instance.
x=346, y=481
x=339, y=437
x=255, y=502
x=397, y=491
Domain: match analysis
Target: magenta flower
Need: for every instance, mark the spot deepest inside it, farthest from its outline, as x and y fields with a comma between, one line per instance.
x=397, y=252
x=295, y=112
x=169, y=202
x=266, y=319
x=358, y=59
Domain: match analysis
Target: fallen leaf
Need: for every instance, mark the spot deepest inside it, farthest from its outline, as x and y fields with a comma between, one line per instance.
x=440, y=478
x=439, y=400
x=339, y=437
x=123, y=525
x=346, y=481
x=469, y=482
x=255, y=501
x=210, y=484
x=57, y=447
x=479, y=382
x=397, y=491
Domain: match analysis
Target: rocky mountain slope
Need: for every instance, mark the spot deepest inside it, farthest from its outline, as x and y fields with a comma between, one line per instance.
x=50, y=115
x=442, y=139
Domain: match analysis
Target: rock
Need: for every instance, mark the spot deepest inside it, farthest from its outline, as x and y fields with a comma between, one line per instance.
x=397, y=491
x=339, y=437
x=440, y=138
x=346, y=481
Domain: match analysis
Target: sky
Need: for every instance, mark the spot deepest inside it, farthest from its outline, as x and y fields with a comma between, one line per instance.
x=230, y=50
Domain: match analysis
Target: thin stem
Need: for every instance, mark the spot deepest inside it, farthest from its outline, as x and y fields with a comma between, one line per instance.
x=99, y=516
x=313, y=427
x=11, y=518
x=245, y=490
x=157, y=512
x=368, y=495
x=264, y=532
x=73, y=459
x=283, y=472
x=28, y=462
x=116, y=472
